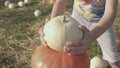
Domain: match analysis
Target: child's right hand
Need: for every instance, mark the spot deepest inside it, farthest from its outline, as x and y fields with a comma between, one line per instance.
x=41, y=33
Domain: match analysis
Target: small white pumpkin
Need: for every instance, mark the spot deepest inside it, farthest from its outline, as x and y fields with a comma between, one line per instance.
x=27, y=1
x=12, y=5
x=60, y=30
x=37, y=13
x=21, y=4
x=98, y=62
x=6, y=3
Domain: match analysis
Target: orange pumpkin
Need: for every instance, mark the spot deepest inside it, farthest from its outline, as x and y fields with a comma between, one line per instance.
x=45, y=57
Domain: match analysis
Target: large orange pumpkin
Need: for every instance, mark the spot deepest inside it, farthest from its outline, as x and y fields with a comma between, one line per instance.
x=57, y=32
x=45, y=57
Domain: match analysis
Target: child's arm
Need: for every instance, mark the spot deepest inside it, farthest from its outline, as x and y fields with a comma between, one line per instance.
x=58, y=8
x=105, y=22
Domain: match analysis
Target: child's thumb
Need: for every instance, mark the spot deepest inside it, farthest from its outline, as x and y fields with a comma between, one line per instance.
x=84, y=30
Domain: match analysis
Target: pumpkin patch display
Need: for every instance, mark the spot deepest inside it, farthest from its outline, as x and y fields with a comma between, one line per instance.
x=57, y=32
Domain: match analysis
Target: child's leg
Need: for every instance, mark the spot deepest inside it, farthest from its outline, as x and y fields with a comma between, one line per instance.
x=108, y=46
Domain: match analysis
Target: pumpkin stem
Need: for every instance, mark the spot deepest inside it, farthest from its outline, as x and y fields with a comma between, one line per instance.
x=64, y=20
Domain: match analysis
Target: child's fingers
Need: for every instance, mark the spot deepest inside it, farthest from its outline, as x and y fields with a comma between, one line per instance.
x=74, y=50
x=46, y=20
x=41, y=33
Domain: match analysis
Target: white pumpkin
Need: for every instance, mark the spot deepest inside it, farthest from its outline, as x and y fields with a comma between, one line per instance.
x=6, y=3
x=98, y=62
x=27, y=1
x=12, y=5
x=21, y=4
x=37, y=13
x=60, y=30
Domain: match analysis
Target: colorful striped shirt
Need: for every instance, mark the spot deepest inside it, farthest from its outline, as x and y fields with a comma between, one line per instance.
x=93, y=11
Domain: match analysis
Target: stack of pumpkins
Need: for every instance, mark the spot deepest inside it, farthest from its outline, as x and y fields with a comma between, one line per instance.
x=57, y=32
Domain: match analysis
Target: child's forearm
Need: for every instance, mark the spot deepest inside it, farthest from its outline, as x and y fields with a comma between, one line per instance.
x=115, y=64
x=100, y=28
x=58, y=8
x=105, y=22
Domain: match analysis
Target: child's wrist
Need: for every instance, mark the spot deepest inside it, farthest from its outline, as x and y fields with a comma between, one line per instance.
x=115, y=64
x=88, y=40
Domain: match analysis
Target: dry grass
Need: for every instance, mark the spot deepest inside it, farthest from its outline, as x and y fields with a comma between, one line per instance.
x=19, y=34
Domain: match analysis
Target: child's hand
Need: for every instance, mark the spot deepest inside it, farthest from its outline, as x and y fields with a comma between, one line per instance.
x=41, y=33
x=78, y=47
x=115, y=64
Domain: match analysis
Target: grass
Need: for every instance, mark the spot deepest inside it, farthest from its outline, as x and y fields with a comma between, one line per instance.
x=19, y=35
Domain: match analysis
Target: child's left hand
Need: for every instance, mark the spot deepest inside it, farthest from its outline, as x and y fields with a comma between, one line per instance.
x=78, y=47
